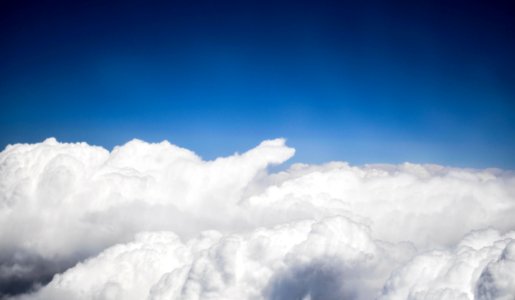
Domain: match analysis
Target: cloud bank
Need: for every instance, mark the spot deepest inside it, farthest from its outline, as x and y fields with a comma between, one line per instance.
x=155, y=221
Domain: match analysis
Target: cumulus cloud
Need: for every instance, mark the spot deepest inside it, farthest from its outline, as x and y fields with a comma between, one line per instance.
x=156, y=221
x=331, y=259
x=481, y=266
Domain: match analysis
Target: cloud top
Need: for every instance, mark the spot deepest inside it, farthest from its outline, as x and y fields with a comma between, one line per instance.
x=156, y=221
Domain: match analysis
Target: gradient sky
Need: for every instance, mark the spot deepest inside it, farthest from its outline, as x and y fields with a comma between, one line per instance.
x=367, y=82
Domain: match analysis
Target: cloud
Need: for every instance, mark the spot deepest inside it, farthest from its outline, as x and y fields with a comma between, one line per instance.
x=61, y=203
x=329, y=259
x=481, y=266
x=156, y=221
x=423, y=204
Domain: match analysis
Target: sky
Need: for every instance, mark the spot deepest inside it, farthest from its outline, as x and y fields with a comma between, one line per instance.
x=367, y=82
x=242, y=90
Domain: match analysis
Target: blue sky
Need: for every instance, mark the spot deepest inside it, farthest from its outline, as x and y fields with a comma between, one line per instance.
x=368, y=82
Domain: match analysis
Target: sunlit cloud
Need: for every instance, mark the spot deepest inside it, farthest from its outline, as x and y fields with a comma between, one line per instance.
x=156, y=221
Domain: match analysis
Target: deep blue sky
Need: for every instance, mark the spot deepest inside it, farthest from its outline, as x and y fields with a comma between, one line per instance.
x=374, y=81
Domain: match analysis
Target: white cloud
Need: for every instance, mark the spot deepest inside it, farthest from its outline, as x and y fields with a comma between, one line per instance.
x=482, y=266
x=229, y=229
x=330, y=259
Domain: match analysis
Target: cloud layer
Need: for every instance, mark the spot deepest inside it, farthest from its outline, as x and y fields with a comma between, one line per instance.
x=155, y=221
